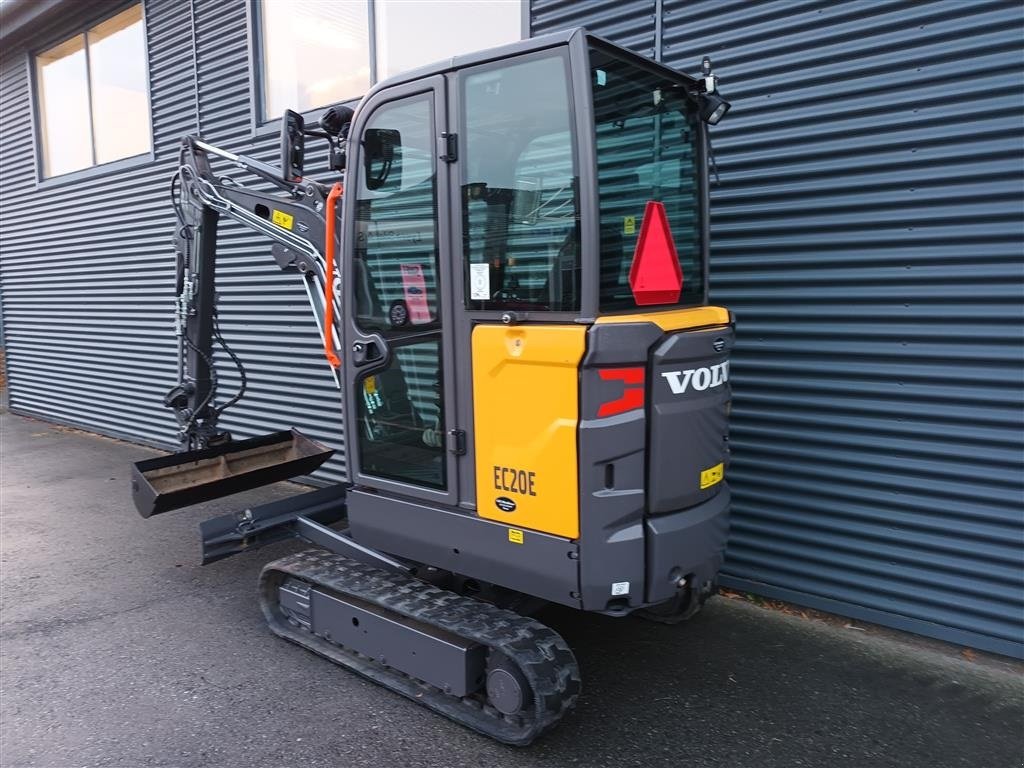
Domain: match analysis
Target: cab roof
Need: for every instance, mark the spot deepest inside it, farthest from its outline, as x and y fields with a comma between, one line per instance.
x=577, y=35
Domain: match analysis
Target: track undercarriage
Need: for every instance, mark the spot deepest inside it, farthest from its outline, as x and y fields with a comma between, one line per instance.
x=498, y=672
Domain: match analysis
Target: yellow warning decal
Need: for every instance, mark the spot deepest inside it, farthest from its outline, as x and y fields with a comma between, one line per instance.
x=515, y=535
x=283, y=219
x=370, y=385
x=629, y=225
x=712, y=475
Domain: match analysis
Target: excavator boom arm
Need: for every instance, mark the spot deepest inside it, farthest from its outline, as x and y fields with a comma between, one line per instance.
x=295, y=220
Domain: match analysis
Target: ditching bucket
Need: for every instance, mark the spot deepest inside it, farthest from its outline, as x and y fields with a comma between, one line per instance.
x=182, y=479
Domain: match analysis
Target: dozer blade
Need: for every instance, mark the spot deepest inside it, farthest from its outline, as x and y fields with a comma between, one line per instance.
x=182, y=479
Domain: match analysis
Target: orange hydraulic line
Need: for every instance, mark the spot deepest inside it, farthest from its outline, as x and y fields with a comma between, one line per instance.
x=329, y=257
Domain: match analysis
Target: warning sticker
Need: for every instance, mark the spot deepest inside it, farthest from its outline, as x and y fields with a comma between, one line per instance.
x=283, y=219
x=415, y=286
x=629, y=225
x=479, y=282
x=712, y=475
x=515, y=535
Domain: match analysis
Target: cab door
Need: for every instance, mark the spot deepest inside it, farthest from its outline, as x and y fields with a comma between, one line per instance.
x=518, y=287
x=400, y=361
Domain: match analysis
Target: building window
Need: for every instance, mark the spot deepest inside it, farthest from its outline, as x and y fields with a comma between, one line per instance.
x=315, y=53
x=92, y=96
x=411, y=33
x=320, y=52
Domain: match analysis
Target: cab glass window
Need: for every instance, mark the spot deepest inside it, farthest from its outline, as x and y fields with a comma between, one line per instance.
x=646, y=132
x=520, y=187
x=396, y=220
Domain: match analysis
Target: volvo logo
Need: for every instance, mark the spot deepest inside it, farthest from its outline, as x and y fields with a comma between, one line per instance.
x=505, y=504
x=697, y=378
x=718, y=344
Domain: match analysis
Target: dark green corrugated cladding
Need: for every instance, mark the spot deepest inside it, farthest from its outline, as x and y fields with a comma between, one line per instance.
x=867, y=232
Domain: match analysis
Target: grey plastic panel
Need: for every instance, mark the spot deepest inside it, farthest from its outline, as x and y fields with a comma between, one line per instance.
x=688, y=544
x=538, y=564
x=867, y=233
x=689, y=428
x=612, y=469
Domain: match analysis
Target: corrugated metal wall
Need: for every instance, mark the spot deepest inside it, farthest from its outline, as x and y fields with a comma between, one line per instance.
x=87, y=268
x=868, y=233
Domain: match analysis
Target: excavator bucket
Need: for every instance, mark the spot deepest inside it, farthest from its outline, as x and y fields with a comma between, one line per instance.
x=181, y=479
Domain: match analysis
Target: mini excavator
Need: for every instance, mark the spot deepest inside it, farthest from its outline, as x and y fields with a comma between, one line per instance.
x=511, y=290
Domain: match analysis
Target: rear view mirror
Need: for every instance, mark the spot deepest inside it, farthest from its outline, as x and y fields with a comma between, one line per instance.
x=380, y=145
x=293, y=145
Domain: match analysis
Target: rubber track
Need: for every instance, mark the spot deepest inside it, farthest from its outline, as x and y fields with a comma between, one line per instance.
x=541, y=654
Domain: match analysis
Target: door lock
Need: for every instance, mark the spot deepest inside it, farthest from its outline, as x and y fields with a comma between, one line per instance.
x=365, y=352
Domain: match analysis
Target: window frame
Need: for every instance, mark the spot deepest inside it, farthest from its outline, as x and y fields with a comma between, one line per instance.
x=42, y=181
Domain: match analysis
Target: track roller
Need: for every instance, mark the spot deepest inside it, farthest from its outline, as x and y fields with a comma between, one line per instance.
x=502, y=674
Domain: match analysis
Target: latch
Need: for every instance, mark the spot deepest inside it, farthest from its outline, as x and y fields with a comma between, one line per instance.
x=457, y=442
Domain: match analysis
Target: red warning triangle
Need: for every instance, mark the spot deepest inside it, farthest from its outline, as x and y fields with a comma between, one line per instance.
x=655, y=276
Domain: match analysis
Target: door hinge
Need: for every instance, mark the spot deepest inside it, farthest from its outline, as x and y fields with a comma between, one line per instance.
x=448, y=147
x=457, y=441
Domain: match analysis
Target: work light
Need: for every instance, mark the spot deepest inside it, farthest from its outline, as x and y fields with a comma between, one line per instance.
x=713, y=108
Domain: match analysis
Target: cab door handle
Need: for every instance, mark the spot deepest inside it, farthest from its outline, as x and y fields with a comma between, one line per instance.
x=368, y=350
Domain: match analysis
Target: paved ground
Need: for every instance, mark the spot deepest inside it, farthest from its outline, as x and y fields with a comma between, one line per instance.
x=118, y=649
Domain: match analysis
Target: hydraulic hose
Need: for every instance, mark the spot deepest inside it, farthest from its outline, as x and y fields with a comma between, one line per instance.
x=329, y=258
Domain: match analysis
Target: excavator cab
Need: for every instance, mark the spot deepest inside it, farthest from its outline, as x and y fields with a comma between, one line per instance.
x=512, y=292
x=527, y=254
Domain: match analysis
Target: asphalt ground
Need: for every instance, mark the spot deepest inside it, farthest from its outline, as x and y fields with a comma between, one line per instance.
x=118, y=649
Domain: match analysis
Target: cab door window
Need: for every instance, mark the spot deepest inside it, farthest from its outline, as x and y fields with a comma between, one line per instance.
x=396, y=222
x=400, y=406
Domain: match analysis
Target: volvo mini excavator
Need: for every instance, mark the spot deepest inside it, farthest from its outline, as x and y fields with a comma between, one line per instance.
x=512, y=294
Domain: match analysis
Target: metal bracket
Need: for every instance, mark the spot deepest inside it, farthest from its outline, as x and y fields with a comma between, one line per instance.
x=341, y=543
x=306, y=516
x=448, y=146
x=457, y=442
x=256, y=527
